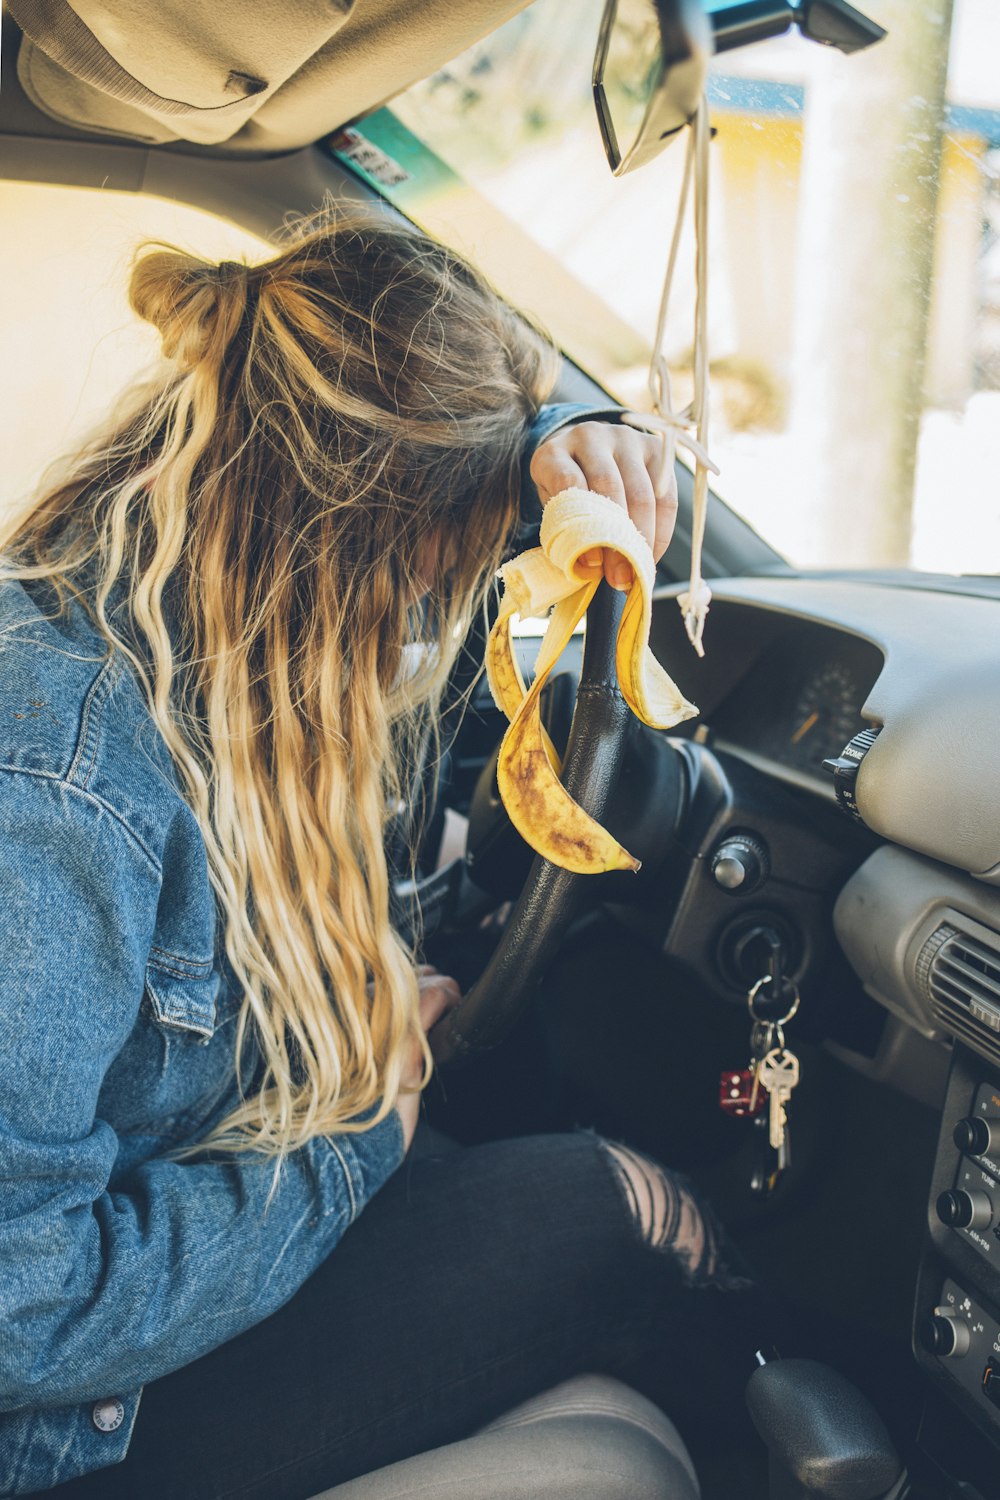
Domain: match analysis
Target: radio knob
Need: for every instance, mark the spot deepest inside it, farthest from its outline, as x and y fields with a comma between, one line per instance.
x=962, y=1210
x=945, y=1334
x=976, y=1136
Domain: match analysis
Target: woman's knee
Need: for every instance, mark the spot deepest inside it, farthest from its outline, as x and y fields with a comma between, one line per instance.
x=666, y=1214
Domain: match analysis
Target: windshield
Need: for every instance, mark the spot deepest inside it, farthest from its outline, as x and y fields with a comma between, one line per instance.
x=855, y=260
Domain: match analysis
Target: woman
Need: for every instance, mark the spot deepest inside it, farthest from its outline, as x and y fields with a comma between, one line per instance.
x=214, y=1041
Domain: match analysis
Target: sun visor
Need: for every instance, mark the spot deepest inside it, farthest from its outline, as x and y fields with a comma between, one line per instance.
x=265, y=75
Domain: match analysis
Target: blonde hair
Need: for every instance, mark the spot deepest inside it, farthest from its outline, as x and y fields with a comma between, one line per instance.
x=339, y=430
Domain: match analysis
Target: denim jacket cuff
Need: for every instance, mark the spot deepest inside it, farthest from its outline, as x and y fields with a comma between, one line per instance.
x=86, y=1436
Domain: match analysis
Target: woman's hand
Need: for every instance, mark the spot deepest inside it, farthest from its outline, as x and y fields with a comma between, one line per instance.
x=438, y=995
x=621, y=463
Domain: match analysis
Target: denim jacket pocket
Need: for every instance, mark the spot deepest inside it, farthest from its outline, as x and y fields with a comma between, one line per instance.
x=182, y=992
x=177, y=1063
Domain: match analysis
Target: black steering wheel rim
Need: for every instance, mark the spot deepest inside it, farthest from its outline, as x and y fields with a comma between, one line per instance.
x=551, y=896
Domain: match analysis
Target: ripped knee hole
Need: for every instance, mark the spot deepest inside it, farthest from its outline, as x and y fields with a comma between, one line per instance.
x=664, y=1212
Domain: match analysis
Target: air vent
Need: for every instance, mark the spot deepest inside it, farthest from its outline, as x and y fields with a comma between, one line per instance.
x=960, y=976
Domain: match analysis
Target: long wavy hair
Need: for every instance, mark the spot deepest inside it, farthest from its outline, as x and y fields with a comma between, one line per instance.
x=326, y=469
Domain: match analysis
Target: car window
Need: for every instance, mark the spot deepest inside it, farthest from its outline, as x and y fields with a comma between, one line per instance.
x=68, y=340
x=855, y=259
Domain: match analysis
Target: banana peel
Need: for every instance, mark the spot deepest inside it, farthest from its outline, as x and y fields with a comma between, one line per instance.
x=554, y=576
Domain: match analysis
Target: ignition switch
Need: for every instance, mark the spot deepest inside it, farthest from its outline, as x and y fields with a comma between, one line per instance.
x=758, y=944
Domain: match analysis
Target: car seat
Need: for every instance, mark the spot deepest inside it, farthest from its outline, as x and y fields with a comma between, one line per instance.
x=590, y=1438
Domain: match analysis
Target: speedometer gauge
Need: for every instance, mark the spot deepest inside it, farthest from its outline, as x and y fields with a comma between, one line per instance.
x=825, y=714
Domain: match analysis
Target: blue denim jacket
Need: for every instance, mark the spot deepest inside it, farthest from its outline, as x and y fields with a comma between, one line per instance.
x=118, y=1265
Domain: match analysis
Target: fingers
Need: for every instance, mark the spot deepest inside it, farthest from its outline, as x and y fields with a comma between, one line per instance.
x=602, y=472
x=554, y=469
x=640, y=503
x=438, y=994
x=623, y=464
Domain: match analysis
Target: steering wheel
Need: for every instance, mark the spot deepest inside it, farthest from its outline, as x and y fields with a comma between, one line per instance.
x=551, y=896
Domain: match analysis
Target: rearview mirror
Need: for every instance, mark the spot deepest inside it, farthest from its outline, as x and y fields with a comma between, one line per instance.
x=652, y=59
x=649, y=73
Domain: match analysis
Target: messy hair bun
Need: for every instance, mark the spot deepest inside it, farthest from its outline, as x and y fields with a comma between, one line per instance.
x=197, y=307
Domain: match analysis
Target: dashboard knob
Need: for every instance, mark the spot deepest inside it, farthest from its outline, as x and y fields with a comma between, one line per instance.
x=945, y=1334
x=976, y=1136
x=962, y=1210
x=740, y=864
x=844, y=769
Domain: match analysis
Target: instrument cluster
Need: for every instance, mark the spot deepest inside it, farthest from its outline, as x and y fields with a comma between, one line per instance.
x=801, y=701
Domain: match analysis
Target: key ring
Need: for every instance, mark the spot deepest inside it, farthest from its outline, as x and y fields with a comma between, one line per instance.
x=755, y=991
x=774, y=1037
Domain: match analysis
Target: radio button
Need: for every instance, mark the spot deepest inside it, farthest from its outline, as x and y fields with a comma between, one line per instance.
x=961, y=1210
x=977, y=1137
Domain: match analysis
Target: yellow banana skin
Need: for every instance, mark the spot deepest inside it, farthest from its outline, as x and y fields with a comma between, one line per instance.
x=552, y=576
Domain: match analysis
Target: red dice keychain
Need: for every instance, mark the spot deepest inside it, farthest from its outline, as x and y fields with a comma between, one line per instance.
x=736, y=1094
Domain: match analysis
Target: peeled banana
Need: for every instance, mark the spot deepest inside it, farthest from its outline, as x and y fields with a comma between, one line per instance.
x=553, y=576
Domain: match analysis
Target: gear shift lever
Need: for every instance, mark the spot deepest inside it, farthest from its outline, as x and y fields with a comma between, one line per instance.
x=824, y=1438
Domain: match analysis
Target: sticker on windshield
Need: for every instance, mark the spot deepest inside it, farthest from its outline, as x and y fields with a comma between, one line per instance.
x=372, y=160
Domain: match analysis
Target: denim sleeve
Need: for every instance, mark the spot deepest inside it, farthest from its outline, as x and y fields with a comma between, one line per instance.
x=104, y=1289
x=549, y=420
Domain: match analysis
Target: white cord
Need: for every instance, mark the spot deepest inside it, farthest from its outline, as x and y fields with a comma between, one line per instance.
x=676, y=427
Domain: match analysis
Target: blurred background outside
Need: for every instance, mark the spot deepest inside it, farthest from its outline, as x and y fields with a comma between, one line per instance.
x=855, y=267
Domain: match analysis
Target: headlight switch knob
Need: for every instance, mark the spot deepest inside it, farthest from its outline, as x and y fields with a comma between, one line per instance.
x=741, y=863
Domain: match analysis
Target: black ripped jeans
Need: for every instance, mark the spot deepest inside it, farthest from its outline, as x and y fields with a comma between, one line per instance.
x=476, y=1278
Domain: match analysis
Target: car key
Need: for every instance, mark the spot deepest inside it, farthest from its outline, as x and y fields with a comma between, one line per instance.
x=779, y=1074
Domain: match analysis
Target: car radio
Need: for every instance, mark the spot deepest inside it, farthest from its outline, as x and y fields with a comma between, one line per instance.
x=972, y=1206
x=957, y=1314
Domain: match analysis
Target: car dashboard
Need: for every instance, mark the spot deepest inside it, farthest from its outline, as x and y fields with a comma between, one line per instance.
x=919, y=665
x=795, y=670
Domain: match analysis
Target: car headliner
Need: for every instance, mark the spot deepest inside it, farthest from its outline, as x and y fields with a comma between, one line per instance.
x=240, y=76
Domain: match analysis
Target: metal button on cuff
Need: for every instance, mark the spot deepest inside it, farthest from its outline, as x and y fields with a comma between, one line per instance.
x=108, y=1416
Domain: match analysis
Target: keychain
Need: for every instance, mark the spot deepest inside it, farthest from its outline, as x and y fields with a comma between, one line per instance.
x=761, y=1092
